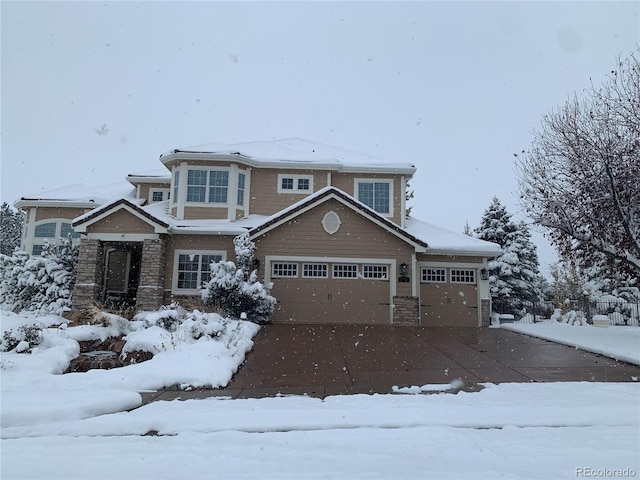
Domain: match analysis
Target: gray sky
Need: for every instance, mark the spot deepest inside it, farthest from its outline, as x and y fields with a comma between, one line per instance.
x=94, y=91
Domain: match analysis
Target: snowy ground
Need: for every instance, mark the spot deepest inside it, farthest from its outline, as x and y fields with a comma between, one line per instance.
x=86, y=425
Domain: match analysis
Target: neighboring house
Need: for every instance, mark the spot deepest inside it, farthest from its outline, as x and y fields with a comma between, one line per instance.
x=329, y=227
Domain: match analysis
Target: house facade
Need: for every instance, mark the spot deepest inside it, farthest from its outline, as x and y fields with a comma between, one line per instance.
x=329, y=225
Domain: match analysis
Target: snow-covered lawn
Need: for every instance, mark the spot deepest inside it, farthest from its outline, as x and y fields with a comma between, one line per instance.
x=621, y=343
x=86, y=425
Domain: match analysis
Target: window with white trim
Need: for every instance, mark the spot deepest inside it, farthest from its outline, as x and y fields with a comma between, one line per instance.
x=434, y=275
x=207, y=186
x=51, y=231
x=194, y=269
x=284, y=270
x=242, y=178
x=379, y=272
x=288, y=183
x=158, y=195
x=460, y=275
x=176, y=184
x=376, y=194
x=315, y=270
x=345, y=270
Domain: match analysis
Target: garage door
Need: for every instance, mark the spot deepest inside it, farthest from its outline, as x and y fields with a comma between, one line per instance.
x=446, y=303
x=331, y=293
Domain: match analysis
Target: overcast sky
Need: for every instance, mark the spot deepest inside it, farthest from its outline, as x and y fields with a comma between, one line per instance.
x=94, y=91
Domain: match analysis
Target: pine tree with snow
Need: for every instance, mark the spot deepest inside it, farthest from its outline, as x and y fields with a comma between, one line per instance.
x=513, y=276
x=11, y=222
x=41, y=283
x=235, y=290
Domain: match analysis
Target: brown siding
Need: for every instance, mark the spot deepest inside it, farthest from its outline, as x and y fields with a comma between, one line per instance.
x=121, y=221
x=205, y=213
x=264, y=196
x=425, y=257
x=145, y=187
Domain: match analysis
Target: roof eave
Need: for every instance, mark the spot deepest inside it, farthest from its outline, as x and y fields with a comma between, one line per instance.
x=25, y=203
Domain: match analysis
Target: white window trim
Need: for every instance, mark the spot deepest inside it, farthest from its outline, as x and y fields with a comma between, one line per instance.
x=207, y=186
x=284, y=262
x=326, y=271
x=176, y=260
x=165, y=194
x=295, y=178
x=472, y=270
x=342, y=264
x=423, y=274
x=356, y=191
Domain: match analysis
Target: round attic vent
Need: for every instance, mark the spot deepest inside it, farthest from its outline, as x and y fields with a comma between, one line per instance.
x=331, y=222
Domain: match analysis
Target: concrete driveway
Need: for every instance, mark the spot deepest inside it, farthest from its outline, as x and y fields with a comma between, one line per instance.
x=323, y=360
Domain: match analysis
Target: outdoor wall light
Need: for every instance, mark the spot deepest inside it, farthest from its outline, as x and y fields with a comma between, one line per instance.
x=256, y=264
x=484, y=274
x=404, y=270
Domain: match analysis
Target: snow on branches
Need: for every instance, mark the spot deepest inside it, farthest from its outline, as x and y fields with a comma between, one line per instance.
x=581, y=176
x=235, y=289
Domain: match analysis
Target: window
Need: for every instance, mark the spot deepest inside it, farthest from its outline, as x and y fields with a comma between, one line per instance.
x=218, y=184
x=45, y=230
x=52, y=231
x=156, y=196
x=284, y=270
x=194, y=269
x=196, y=185
x=434, y=275
x=315, y=270
x=463, y=276
x=295, y=183
x=241, y=182
x=176, y=183
x=380, y=272
x=375, y=194
x=341, y=270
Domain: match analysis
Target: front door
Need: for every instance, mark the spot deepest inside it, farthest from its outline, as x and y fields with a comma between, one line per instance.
x=122, y=274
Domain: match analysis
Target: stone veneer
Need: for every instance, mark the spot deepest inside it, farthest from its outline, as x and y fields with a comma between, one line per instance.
x=150, y=287
x=90, y=270
x=406, y=311
x=485, y=305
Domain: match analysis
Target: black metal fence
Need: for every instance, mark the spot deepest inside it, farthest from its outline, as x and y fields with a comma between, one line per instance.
x=620, y=311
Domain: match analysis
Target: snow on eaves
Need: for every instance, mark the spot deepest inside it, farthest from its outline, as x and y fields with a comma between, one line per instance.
x=298, y=152
x=445, y=241
x=80, y=194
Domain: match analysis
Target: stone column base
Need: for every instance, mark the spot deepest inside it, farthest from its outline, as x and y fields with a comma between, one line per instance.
x=406, y=311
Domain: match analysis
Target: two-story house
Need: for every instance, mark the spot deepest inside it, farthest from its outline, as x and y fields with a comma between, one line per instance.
x=329, y=227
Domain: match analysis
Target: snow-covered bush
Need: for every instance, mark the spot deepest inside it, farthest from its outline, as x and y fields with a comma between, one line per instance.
x=235, y=289
x=39, y=283
x=23, y=339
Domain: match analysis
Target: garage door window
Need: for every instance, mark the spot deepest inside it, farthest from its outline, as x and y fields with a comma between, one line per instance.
x=315, y=270
x=434, y=275
x=379, y=272
x=284, y=270
x=341, y=270
x=463, y=276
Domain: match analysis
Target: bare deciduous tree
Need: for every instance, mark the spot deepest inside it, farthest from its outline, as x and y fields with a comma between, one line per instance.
x=581, y=176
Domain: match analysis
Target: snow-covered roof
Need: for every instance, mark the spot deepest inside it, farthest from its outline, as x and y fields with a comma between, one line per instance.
x=445, y=241
x=150, y=176
x=78, y=195
x=293, y=153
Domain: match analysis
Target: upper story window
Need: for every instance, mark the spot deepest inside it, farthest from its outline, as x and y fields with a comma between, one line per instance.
x=288, y=183
x=376, y=194
x=207, y=186
x=158, y=194
x=176, y=184
x=242, y=178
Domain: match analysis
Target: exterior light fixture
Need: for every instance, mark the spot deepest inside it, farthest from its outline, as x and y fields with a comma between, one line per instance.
x=256, y=264
x=404, y=272
x=484, y=274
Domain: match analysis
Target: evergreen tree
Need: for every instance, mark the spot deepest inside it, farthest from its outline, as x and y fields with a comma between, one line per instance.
x=11, y=222
x=235, y=290
x=514, y=276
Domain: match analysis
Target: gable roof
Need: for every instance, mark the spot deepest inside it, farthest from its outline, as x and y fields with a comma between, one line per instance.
x=81, y=223
x=292, y=153
x=328, y=193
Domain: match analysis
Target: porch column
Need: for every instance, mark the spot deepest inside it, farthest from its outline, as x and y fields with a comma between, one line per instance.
x=151, y=285
x=89, y=274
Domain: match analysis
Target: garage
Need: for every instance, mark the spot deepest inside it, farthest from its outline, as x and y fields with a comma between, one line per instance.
x=338, y=292
x=449, y=297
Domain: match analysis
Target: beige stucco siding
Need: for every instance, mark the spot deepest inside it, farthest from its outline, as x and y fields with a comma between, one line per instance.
x=121, y=221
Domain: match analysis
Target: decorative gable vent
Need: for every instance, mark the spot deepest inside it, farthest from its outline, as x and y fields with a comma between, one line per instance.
x=331, y=222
